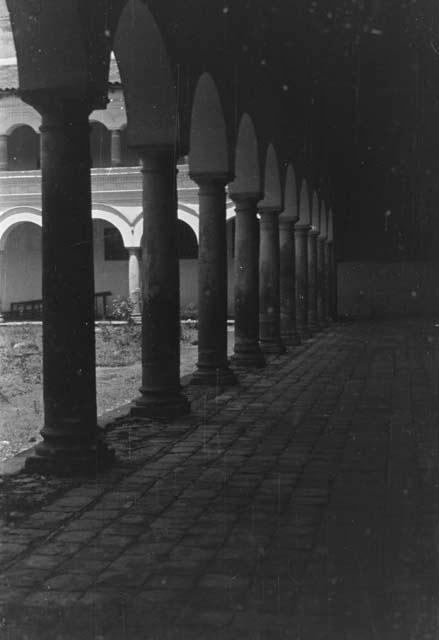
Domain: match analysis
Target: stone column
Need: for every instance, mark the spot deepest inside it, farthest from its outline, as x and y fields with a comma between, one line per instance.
x=3, y=153
x=312, y=281
x=247, y=352
x=161, y=394
x=332, y=282
x=116, y=153
x=326, y=282
x=134, y=280
x=72, y=441
x=212, y=366
x=269, y=283
x=287, y=282
x=321, y=292
x=2, y=283
x=301, y=233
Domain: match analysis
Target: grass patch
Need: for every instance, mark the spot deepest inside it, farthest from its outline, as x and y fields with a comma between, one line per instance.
x=118, y=345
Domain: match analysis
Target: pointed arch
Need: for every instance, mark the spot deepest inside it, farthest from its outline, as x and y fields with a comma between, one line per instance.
x=247, y=160
x=323, y=226
x=291, y=206
x=315, y=212
x=330, y=226
x=147, y=78
x=208, y=151
x=304, y=205
x=272, y=185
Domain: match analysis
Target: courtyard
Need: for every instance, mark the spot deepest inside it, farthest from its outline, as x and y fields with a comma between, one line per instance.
x=118, y=356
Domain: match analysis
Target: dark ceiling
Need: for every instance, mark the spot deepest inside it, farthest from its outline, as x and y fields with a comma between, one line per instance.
x=357, y=82
x=363, y=87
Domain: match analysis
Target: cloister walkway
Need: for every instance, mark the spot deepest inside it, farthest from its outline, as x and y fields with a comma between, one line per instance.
x=303, y=504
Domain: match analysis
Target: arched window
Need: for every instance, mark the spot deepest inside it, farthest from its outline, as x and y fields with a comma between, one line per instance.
x=23, y=149
x=113, y=244
x=100, y=145
x=187, y=242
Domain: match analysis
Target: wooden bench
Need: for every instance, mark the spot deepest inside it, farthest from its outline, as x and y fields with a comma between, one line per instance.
x=33, y=309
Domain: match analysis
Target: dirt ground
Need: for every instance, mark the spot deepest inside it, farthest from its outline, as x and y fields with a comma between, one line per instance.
x=118, y=377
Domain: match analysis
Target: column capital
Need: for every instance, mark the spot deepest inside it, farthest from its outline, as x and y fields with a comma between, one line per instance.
x=156, y=157
x=219, y=179
x=267, y=210
x=59, y=105
x=242, y=197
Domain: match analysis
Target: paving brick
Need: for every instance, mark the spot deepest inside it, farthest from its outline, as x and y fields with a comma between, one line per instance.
x=300, y=505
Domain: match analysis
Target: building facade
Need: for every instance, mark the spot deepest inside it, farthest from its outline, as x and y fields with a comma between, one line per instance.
x=116, y=208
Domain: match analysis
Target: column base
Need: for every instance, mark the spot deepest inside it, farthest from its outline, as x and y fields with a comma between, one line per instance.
x=248, y=359
x=291, y=338
x=48, y=460
x=214, y=377
x=155, y=405
x=275, y=347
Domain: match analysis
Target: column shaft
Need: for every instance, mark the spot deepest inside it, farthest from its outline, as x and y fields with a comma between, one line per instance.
x=160, y=391
x=321, y=293
x=72, y=441
x=332, y=282
x=134, y=279
x=269, y=283
x=212, y=365
x=302, y=281
x=3, y=153
x=287, y=283
x=327, y=283
x=312, y=281
x=116, y=153
x=247, y=352
x=2, y=283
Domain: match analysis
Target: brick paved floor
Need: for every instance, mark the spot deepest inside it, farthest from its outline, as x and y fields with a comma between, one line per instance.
x=303, y=504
